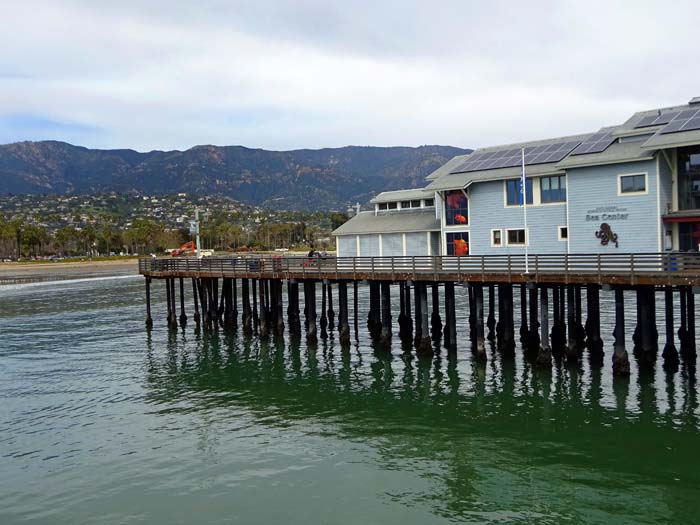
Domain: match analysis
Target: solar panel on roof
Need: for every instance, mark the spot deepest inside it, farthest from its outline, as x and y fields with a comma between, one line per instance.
x=686, y=120
x=657, y=120
x=509, y=158
x=595, y=143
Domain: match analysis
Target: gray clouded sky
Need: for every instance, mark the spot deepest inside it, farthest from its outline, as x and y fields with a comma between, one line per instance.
x=307, y=73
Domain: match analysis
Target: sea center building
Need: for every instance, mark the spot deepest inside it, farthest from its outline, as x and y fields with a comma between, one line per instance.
x=629, y=188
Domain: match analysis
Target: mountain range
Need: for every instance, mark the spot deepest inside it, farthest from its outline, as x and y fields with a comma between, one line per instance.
x=330, y=178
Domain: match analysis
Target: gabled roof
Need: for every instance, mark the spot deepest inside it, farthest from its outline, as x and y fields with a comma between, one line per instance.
x=402, y=195
x=392, y=222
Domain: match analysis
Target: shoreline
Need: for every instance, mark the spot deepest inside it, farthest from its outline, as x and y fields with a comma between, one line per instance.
x=18, y=273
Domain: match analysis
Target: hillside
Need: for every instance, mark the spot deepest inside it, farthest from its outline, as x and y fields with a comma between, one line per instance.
x=305, y=179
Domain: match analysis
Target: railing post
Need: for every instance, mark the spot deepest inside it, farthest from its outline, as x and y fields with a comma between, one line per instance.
x=372, y=263
x=483, y=269
x=354, y=268
x=509, y=268
x=413, y=264
x=600, y=270
x=392, y=269
x=631, y=268
x=459, y=268
x=537, y=267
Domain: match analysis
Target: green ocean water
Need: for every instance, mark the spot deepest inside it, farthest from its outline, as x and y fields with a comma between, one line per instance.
x=102, y=422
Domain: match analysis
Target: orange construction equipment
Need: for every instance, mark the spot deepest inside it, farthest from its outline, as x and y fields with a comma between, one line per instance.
x=461, y=247
x=186, y=249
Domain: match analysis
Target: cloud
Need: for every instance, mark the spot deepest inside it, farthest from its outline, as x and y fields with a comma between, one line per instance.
x=290, y=74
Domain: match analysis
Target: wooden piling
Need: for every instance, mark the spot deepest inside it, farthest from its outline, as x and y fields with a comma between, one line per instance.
x=183, y=315
x=491, y=321
x=479, y=343
x=374, y=323
x=149, y=319
x=572, y=347
x=355, y=308
x=435, y=321
x=544, y=355
x=594, y=342
x=621, y=364
x=385, y=337
x=524, y=331
x=450, y=317
x=247, y=317
x=195, y=298
x=330, y=313
x=343, y=326
x=534, y=325
x=324, y=319
x=310, y=308
x=424, y=345
x=670, y=353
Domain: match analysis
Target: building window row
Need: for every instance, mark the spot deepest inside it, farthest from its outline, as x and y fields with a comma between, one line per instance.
x=551, y=190
x=514, y=192
x=518, y=236
x=412, y=204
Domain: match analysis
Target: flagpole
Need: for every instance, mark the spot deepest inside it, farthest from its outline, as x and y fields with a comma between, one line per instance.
x=524, y=190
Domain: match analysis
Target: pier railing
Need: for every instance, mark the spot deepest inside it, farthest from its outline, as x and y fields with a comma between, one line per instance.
x=541, y=266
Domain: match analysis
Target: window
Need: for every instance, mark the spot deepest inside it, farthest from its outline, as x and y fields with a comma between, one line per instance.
x=553, y=189
x=429, y=202
x=514, y=196
x=636, y=183
x=382, y=205
x=516, y=237
x=689, y=178
x=458, y=243
x=415, y=204
x=393, y=205
x=496, y=237
x=456, y=208
x=410, y=204
x=563, y=233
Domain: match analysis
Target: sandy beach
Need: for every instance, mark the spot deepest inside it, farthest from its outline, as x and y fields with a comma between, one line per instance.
x=13, y=273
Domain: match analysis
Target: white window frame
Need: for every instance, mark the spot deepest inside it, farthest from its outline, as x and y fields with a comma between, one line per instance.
x=632, y=193
x=535, y=192
x=559, y=236
x=527, y=237
x=494, y=245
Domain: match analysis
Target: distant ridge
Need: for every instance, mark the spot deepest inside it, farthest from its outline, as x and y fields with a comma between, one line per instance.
x=304, y=179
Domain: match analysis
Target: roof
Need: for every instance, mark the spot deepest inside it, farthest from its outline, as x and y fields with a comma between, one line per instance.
x=629, y=150
x=402, y=195
x=613, y=154
x=453, y=181
x=392, y=222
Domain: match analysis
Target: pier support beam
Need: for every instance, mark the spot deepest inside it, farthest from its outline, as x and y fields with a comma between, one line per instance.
x=404, y=334
x=580, y=332
x=524, y=335
x=324, y=320
x=293, y=314
x=374, y=323
x=670, y=353
x=149, y=319
x=506, y=325
x=247, y=317
x=183, y=315
x=621, y=363
x=355, y=309
x=435, y=321
x=330, y=313
x=310, y=310
x=593, y=340
x=173, y=301
x=278, y=308
x=491, y=321
x=691, y=351
x=647, y=342
x=343, y=326
x=544, y=354
x=479, y=343
x=572, y=348
x=534, y=328
x=263, y=327
x=385, y=337
x=423, y=343
x=195, y=297
x=450, y=317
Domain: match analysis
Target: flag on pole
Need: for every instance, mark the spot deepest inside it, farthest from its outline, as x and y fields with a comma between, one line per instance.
x=523, y=187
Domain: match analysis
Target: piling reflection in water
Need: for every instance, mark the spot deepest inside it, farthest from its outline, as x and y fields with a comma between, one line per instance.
x=450, y=409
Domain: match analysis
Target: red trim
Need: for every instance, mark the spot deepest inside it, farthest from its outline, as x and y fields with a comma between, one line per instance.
x=682, y=219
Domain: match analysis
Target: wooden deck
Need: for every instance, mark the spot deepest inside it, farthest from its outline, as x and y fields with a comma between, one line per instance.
x=659, y=269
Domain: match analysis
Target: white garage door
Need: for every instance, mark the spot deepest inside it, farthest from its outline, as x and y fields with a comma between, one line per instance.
x=369, y=245
x=416, y=244
x=392, y=245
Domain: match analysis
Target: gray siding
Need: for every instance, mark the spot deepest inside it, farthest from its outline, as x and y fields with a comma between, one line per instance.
x=593, y=198
x=369, y=245
x=435, y=243
x=665, y=198
x=347, y=245
x=488, y=211
x=416, y=244
x=392, y=244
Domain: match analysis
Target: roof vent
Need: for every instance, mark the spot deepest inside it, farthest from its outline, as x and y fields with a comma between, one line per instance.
x=694, y=101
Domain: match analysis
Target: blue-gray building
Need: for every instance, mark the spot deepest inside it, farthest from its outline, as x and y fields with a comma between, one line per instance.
x=630, y=188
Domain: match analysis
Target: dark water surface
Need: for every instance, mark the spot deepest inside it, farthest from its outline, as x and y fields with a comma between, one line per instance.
x=101, y=422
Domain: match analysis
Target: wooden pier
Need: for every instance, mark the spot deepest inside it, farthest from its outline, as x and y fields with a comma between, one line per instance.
x=556, y=280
